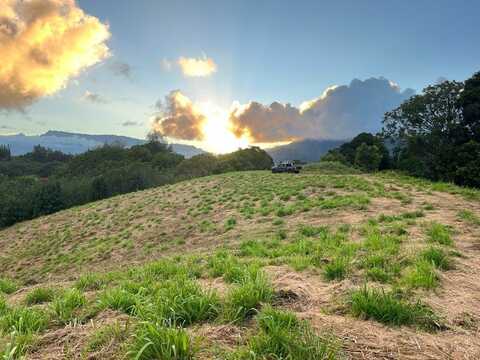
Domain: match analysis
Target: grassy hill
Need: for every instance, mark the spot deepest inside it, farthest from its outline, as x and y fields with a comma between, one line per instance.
x=251, y=265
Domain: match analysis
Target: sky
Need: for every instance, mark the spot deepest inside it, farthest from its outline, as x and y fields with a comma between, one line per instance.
x=223, y=74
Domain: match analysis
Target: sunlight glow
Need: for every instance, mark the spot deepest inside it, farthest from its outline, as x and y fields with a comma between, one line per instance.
x=218, y=137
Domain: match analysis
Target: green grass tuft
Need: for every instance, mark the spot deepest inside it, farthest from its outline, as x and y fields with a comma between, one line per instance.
x=390, y=309
x=7, y=286
x=23, y=321
x=440, y=234
x=438, y=257
x=282, y=336
x=65, y=307
x=336, y=269
x=40, y=295
x=154, y=341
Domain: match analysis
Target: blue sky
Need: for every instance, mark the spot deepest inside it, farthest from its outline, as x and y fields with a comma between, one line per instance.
x=286, y=51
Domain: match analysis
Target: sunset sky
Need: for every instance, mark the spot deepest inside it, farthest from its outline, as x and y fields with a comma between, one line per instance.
x=220, y=74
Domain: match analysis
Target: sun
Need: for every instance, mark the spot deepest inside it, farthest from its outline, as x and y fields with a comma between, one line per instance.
x=218, y=137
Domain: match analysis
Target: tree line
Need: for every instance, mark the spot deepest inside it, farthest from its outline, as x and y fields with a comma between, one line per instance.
x=45, y=181
x=435, y=135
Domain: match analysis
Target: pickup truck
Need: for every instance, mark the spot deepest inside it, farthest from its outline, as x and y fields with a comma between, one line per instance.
x=286, y=167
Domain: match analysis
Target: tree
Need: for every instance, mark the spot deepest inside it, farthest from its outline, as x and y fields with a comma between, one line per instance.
x=426, y=129
x=469, y=102
x=5, y=153
x=368, y=157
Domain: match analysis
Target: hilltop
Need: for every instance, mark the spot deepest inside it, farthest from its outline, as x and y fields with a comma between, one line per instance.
x=331, y=263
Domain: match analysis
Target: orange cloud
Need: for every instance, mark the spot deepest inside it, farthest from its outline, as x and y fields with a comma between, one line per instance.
x=200, y=67
x=179, y=118
x=43, y=43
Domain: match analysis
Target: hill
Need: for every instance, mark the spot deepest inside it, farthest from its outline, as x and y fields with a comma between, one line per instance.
x=76, y=143
x=308, y=150
x=325, y=264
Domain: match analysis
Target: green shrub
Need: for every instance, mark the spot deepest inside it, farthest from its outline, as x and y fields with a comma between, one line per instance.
x=154, y=341
x=389, y=308
x=40, y=296
x=230, y=223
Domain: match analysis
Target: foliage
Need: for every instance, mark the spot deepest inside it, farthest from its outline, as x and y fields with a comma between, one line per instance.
x=368, y=157
x=437, y=133
x=46, y=181
x=366, y=151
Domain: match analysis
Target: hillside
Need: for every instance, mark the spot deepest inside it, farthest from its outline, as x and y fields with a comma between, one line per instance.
x=378, y=265
x=308, y=150
x=76, y=143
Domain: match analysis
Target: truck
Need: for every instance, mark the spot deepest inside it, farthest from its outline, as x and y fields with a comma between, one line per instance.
x=286, y=167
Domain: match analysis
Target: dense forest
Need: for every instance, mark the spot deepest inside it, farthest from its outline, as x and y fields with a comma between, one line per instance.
x=435, y=135
x=45, y=181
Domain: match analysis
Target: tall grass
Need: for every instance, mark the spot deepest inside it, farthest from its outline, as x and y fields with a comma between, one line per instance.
x=40, y=295
x=439, y=233
x=389, y=308
x=243, y=300
x=7, y=286
x=282, y=335
x=23, y=321
x=65, y=307
x=155, y=341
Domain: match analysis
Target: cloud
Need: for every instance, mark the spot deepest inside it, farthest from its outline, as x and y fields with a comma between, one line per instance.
x=131, y=123
x=121, y=69
x=197, y=67
x=94, y=98
x=340, y=112
x=178, y=118
x=44, y=43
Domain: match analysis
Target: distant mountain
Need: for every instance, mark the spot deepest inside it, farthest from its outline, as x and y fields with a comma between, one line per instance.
x=308, y=150
x=74, y=143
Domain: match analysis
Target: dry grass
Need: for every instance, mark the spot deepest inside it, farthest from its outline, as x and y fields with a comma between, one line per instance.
x=382, y=223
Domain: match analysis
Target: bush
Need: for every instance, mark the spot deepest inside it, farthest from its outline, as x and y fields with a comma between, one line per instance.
x=367, y=157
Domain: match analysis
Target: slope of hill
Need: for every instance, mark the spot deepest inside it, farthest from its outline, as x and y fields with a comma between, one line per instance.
x=308, y=150
x=378, y=266
x=75, y=143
